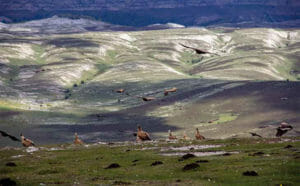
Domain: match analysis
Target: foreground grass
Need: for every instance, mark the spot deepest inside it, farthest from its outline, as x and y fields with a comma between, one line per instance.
x=86, y=165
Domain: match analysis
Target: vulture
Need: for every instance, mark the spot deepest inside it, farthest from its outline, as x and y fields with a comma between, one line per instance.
x=121, y=90
x=77, y=141
x=254, y=134
x=283, y=128
x=171, y=137
x=142, y=135
x=198, y=136
x=198, y=51
x=166, y=92
x=185, y=137
x=4, y=134
x=148, y=98
x=26, y=142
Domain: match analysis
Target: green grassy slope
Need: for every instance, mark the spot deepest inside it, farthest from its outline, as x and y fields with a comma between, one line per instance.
x=69, y=165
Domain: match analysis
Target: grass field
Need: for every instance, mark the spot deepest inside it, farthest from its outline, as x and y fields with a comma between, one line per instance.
x=273, y=160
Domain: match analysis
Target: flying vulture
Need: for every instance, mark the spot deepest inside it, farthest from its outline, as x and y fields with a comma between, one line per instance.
x=166, y=92
x=197, y=50
x=148, y=98
x=4, y=134
x=254, y=134
x=121, y=90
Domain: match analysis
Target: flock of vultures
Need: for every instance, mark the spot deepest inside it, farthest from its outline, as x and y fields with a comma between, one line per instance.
x=144, y=136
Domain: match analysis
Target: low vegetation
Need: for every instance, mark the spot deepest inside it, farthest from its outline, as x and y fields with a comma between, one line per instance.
x=244, y=162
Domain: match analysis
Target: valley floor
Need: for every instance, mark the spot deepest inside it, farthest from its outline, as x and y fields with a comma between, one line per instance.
x=247, y=161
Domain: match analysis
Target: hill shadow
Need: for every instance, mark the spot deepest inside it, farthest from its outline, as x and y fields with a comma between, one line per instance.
x=279, y=98
x=71, y=42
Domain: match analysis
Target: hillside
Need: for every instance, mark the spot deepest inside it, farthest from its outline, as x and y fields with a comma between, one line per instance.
x=52, y=85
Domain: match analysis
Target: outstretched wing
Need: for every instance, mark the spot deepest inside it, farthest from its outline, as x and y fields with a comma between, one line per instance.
x=147, y=137
x=4, y=134
x=254, y=134
x=197, y=50
x=280, y=132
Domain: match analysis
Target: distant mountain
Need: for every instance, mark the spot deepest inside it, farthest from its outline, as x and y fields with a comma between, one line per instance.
x=59, y=25
x=242, y=13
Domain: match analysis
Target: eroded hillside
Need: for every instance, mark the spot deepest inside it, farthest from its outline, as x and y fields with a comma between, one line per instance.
x=54, y=85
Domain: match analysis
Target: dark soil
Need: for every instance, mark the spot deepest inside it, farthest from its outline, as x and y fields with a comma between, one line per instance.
x=156, y=163
x=186, y=156
x=10, y=164
x=190, y=166
x=7, y=182
x=202, y=161
x=250, y=173
x=113, y=166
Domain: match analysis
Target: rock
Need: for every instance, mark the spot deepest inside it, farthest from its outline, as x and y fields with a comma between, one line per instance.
x=226, y=154
x=250, y=173
x=190, y=166
x=10, y=164
x=156, y=163
x=7, y=182
x=297, y=157
x=186, y=156
x=257, y=154
x=202, y=161
x=121, y=183
x=288, y=146
x=112, y=166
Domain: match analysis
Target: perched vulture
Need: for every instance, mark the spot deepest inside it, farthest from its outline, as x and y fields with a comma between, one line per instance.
x=254, y=134
x=198, y=136
x=4, y=134
x=148, y=98
x=171, y=137
x=142, y=135
x=198, y=51
x=77, y=141
x=121, y=90
x=283, y=128
x=26, y=142
x=166, y=92
x=185, y=137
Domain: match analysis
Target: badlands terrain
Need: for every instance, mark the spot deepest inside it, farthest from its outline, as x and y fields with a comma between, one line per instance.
x=57, y=79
